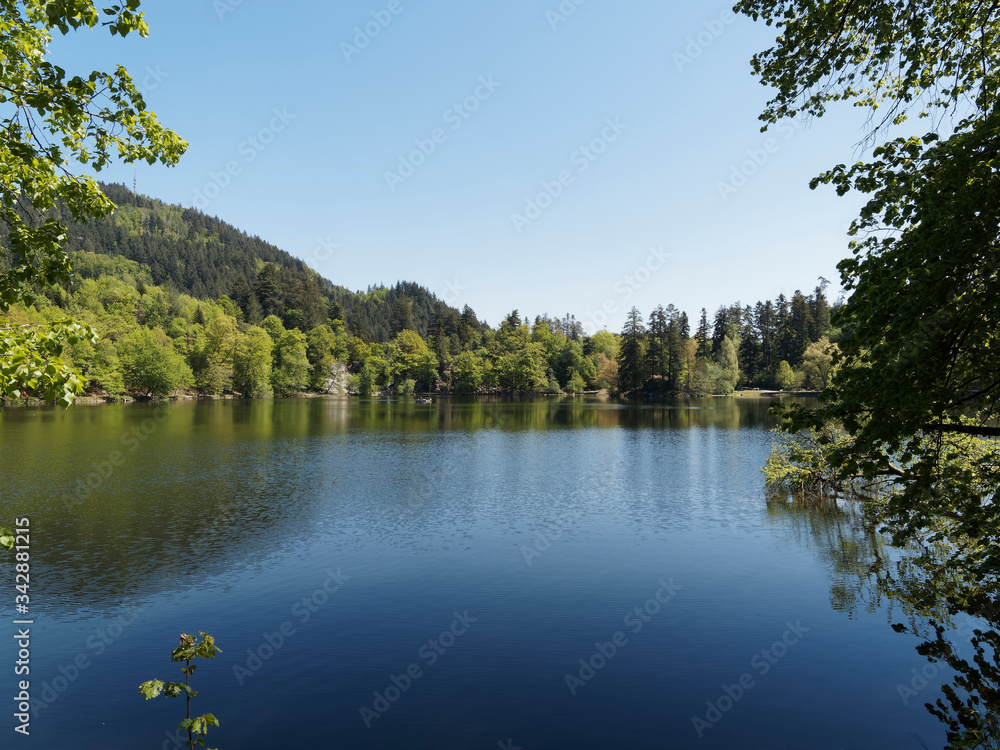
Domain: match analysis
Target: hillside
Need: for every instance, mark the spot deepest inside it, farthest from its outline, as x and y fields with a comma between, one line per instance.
x=207, y=258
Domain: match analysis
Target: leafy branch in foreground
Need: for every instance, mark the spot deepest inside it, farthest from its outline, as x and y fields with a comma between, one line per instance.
x=31, y=360
x=51, y=120
x=190, y=648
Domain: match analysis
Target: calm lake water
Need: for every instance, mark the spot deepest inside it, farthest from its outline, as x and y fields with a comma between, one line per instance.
x=391, y=575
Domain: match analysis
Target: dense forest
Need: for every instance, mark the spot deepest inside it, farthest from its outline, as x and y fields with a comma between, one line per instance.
x=182, y=301
x=188, y=251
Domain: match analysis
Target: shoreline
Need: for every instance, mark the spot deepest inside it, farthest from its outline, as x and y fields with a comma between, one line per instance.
x=644, y=398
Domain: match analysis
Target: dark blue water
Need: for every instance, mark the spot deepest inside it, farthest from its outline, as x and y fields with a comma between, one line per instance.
x=397, y=576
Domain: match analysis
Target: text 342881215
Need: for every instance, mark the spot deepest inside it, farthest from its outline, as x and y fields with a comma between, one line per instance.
x=22, y=580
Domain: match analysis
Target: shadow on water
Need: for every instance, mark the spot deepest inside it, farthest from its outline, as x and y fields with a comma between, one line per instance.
x=955, y=621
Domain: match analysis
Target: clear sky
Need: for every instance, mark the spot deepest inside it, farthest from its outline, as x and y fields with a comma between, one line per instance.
x=503, y=154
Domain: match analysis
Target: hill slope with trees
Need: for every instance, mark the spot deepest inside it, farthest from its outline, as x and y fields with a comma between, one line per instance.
x=207, y=258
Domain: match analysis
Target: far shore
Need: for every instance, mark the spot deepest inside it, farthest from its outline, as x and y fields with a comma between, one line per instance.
x=97, y=400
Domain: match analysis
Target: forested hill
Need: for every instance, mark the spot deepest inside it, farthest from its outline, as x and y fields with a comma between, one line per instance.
x=195, y=253
x=207, y=258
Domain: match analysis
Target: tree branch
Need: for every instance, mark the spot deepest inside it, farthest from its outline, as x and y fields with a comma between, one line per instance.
x=963, y=429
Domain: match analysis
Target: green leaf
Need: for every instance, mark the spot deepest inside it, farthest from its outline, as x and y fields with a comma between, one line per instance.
x=151, y=689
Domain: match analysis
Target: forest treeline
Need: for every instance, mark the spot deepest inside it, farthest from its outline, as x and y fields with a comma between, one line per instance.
x=155, y=341
x=184, y=301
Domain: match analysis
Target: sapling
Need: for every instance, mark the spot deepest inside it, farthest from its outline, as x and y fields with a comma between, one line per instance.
x=189, y=649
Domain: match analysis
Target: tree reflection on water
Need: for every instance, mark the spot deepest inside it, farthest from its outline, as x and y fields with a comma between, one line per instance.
x=954, y=617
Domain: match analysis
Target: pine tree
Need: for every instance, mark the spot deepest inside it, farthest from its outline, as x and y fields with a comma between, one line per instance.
x=703, y=337
x=656, y=349
x=631, y=370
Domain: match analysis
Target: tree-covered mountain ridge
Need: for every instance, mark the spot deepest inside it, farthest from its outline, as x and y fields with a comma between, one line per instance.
x=204, y=256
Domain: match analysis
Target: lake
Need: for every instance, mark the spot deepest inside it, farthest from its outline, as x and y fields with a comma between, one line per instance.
x=379, y=574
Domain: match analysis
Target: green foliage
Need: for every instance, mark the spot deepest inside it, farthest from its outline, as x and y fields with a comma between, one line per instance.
x=569, y=360
x=784, y=377
x=604, y=342
x=576, y=383
x=150, y=366
x=818, y=363
x=366, y=380
x=427, y=370
x=801, y=462
x=31, y=361
x=6, y=538
x=607, y=372
x=51, y=121
x=324, y=349
x=190, y=648
x=252, y=362
x=290, y=373
x=728, y=364
x=217, y=355
x=220, y=352
x=408, y=355
x=469, y=372
x=711, y=378
x=105, y=370
x=523, y=369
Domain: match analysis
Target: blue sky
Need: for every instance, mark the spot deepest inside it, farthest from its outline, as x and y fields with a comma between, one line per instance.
x=504, y=155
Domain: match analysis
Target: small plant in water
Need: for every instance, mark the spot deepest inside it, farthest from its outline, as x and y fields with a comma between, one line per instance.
x=190, y=648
